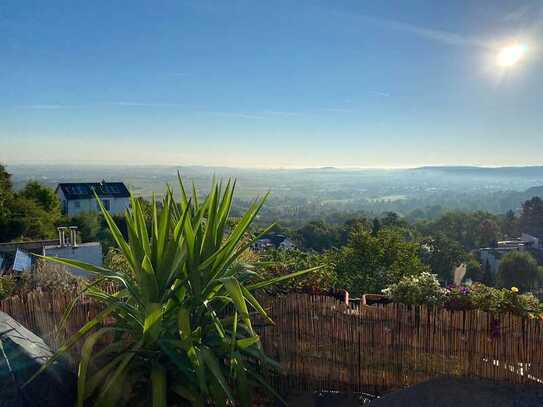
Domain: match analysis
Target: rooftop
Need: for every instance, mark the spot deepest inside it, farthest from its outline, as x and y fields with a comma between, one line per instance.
x=85, y=190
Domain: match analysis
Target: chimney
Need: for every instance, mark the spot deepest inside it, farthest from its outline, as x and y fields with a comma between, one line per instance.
x=73, y=235
x=62, y=236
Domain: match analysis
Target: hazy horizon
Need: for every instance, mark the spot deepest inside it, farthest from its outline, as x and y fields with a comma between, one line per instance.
x=271, y=168
x=272, y=85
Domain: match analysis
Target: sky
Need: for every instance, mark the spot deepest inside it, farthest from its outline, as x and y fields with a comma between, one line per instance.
x=275, y=84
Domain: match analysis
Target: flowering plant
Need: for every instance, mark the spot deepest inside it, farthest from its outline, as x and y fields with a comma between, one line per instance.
x=425, y=290
x=417, y=290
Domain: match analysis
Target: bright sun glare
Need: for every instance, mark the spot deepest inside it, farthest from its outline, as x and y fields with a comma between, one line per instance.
x=511, y=55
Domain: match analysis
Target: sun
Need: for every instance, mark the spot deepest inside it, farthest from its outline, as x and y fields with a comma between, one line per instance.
x=511, y=55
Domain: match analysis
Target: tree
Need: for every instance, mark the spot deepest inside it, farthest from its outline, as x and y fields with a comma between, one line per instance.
x=27, y=220
x=30, y=214
x=368, y=264
x=318, y=236
x=519, y=269
x=531, y=218
x=5, y=196
x=376, y=227
x=472, y=230
x=443, y=255
x=489, y=232
x=474, y=270
x=510, y=224
x=43, y=196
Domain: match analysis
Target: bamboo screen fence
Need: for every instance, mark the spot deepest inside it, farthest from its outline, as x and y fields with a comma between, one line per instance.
x=323, y=344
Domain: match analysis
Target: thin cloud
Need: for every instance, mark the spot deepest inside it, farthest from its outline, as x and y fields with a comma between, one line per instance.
x=144, y=104
x=441, y=36
x=520, y=12
x=46, y=107
x=235, y=114
x=265, y=114
x=444, y=37
x=281, y=113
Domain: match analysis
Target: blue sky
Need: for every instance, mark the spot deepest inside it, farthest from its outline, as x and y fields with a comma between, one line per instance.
x=270, y=83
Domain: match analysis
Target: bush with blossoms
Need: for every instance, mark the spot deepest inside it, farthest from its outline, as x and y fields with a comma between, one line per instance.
x=417, y=290
x=425, y=290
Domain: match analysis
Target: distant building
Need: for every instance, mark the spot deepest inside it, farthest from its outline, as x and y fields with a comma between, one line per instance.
x=536, y=242
x=287, y=244
x=14, y=255
x=491, y=256
x=275, y=241
x=77, y=198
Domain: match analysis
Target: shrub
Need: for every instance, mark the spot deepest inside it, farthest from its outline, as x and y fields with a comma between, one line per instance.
x=49, y=276
x=7, y=286
x=425, y=290
x=417, y=290
x=277, y=263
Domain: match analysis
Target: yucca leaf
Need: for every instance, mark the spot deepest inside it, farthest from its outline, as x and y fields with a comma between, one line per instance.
x=116, y=233
x=86, y=353
x=71, y=342
x=213, y=365
x=159, y=385
x=276, y=280
x=188, y=394
x=234, y=289
x=152, y=325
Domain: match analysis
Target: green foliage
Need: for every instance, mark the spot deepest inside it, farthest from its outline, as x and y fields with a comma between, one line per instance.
x=182, y=320
x=425, y=290
x=531, y=218
x=277, y=263
x=93, y=227
x=443, y=255
x=471, y=230
x=318, y=236
x=494, y=300
x=27, y=220
x=510, y=224
x=43, y=196
x=7, y=286
x=48, y=277
x=417, y=290
x=116, y=261
x=474, y=271
x=31, y=214
x=519, y=269
x=5, y=195
x=368, y=263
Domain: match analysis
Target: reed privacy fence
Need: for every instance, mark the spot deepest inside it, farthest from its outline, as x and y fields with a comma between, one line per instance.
x=323, y=344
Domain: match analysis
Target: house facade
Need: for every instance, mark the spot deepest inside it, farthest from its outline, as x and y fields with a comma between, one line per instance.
x=78, y=198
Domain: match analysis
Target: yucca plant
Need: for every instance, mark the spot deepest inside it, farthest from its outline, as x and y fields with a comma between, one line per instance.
x=179, y=330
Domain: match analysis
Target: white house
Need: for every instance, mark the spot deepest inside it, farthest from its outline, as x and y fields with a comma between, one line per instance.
x=77, y=198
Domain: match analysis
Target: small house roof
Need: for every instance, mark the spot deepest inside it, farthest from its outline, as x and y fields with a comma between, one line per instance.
x=84, y=190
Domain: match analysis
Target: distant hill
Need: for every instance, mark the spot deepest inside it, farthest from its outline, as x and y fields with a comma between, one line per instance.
x=527, y=171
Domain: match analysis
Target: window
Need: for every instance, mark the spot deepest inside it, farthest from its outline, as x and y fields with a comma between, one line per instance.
x=77, y=204
x=111, y=189
x=106, y=203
